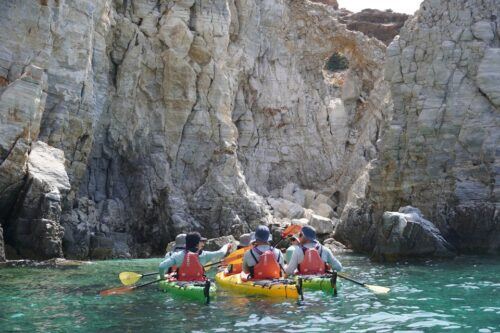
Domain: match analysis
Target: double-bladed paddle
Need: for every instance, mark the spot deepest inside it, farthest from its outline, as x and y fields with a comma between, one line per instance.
x=125, y=289
x=130, y=278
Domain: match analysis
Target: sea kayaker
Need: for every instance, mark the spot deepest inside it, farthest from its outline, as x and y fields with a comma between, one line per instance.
x=310, y=257
x=262, y=261
x=190, y=261
x=180, y=245
x=294, y=243
x=203, y=242
x=238, y=268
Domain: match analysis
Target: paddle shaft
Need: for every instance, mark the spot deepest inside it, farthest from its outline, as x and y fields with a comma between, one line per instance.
x=351, y=279
x=147, y=284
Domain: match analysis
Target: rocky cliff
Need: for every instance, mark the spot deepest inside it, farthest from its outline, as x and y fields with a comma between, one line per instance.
x=440, y=150
x=125, y=122
x=174, y=115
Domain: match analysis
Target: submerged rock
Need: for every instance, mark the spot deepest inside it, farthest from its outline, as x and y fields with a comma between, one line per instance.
x=406, y=234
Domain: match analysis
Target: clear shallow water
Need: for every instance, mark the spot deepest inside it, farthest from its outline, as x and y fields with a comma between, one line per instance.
x=462, y=295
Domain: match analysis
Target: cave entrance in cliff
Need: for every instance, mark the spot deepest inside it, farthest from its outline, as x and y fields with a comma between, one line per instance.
x=335, y=68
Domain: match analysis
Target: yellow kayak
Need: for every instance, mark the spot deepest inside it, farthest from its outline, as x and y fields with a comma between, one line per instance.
x=284, y=288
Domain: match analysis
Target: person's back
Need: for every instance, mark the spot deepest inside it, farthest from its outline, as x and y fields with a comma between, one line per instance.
x=177, y=259
x=310, y=257
x=262, y=261
x=237, y=268
x=289, y=251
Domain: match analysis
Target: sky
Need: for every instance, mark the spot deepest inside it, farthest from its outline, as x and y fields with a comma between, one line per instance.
x=401, y=6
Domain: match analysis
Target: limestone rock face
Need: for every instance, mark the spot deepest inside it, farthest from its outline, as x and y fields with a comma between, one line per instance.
x=322, y=224
x=440, y=150
x=488, y=75
x=215, y=244
x=22, y=102
x=178, y=115
x=35, y=225
x=407, y=234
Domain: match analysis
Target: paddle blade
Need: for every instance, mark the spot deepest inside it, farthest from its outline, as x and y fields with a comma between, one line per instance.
x=129, y=278
x=235, y=256
x=116, y=291
x=378, y=289
x=291, y=229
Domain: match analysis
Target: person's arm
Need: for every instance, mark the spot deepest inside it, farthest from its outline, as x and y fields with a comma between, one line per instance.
x=293, y=264
x=331, y=260
x=167, y=263
x=213, y=256
x=246, y=260
x=289, y=253
x=280, y=257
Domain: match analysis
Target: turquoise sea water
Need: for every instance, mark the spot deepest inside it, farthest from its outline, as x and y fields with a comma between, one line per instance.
x=462, y=295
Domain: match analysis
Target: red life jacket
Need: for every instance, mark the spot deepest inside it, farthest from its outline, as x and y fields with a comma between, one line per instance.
x=191, y=269
x=312, y=263
x=267, y=266
x=234, y=269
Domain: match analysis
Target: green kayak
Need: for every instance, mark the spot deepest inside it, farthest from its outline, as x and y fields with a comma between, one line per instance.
x=325, y=282
x=202, y=291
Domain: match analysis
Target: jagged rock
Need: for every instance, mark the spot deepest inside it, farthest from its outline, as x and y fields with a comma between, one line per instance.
x=483, y=30
x=488, y=75
x=34, y=229
x=322, y=224
x=292, y=192
x=406, y=234
x=335, y=246
x=101, y=247
x=21, y=106
x=286, y=209
x=215, y=244
x=324, y=210
x=302, y=221
x=318, y=203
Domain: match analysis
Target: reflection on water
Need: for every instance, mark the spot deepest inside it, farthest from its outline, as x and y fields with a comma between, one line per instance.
x=461, y=295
